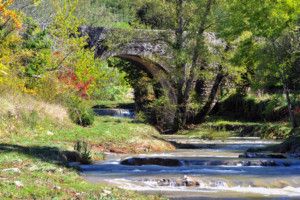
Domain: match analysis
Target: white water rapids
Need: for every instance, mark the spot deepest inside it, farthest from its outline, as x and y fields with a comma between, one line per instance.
x=214, y=167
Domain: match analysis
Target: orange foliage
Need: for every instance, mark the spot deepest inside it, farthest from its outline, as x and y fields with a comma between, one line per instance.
x=70, y=78
x=7, y=14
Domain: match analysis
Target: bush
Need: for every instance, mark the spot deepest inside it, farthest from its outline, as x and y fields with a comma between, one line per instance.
x=276, y=108
x=84, y=151
x=163, y=112
x=80, y=113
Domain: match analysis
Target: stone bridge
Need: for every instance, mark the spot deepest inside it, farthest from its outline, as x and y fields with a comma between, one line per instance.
x=142, y=48
x=146, y=49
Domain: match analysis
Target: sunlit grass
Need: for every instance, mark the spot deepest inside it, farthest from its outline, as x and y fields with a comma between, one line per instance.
x=34, y=136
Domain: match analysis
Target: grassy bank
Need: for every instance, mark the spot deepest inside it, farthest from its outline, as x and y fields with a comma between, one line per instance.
x=220, y=128
x=35, y=138
x=265, y=130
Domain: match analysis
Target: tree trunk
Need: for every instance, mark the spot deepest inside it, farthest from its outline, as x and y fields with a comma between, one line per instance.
x=211, y=99
x=179, y=121
x=186, y=82
x=290, y=106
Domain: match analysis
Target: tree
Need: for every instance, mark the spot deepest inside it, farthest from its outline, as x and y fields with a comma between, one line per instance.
x=189, y=20
x=74, y=63
x=10, y=24
x=268, y=39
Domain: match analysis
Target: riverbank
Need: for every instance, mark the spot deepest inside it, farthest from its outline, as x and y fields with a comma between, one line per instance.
x=32, y=165
x=212, y=169
x=222, y=128
x=37, y=139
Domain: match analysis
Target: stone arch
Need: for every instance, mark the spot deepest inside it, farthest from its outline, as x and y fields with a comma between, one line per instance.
x=154, y=70
x=141, y=52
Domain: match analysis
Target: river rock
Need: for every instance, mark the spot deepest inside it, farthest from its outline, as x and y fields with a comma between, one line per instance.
x=164, y=182
x=152, y=161
x=186, y=181
x=190, y=181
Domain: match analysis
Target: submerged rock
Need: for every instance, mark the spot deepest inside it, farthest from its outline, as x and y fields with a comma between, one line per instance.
x=190, y=182
x=186, y=181
x=152, y=161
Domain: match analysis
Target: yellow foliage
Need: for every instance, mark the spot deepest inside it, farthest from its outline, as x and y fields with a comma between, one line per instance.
x=9, y=22
x=6, y=14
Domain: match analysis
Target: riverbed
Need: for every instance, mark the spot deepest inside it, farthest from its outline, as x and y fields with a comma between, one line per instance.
x=203, y=169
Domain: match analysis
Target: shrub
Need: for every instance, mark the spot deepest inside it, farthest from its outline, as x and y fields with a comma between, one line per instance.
x=80, y=113
x=276, y=108
x=84, y=151
x=163, y=111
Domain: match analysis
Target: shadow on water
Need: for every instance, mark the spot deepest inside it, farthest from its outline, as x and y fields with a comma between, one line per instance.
x=51, y=155
x=179, y=145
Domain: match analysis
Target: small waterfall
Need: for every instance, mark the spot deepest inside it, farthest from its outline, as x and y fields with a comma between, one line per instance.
x=117, y=112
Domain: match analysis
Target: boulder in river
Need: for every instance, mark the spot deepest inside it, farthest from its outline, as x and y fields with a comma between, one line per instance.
x=152, y=161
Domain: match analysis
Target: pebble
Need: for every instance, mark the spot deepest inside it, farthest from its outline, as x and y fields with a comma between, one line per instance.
x=19, y=184
x=106, y=193
x=33, y=168
x=13, y=170
x=57, y=187
x=50, y=133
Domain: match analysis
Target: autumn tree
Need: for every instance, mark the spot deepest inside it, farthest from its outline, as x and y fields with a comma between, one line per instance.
x=10, y=24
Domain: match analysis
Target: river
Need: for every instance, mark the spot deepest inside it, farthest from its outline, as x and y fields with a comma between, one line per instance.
x=202, y=169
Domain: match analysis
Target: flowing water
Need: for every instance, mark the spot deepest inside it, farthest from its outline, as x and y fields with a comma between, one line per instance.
x=115, y=112
x=207, y=170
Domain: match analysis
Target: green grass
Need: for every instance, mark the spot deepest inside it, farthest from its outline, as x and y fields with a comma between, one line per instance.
x=220, y=128
x=266, y=130
x=44, y=180
x=38, y=154
x=105, y=131
x=207, y=133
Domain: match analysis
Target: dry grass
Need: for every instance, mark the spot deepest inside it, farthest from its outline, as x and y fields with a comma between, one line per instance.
x=20, y=111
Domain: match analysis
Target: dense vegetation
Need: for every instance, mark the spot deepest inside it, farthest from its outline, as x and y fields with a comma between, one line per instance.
x=236, y=71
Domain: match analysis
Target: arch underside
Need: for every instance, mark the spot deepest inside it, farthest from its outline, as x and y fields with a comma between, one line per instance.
x=154, y=70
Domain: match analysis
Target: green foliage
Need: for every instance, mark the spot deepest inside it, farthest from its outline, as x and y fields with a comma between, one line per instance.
x=80, y=112
x=157, y=14
x=163, y=110
x=267, y=41
x=250, y=107
x=113, y=84
x=276, y=108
